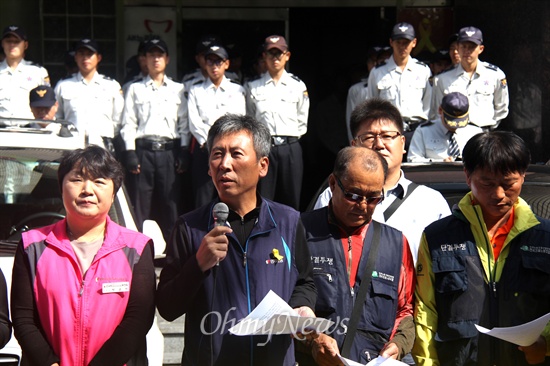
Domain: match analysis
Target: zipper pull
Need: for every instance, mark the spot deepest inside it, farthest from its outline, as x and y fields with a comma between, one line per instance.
x=82, y=288
x=244, y=259
x=349, y=243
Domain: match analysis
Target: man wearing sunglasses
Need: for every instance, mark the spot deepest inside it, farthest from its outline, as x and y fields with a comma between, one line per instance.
x=349, y=252
x=378, y=125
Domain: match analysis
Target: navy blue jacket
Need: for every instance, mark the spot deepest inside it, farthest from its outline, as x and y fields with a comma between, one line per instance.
x=235, y=287
x=335, y=299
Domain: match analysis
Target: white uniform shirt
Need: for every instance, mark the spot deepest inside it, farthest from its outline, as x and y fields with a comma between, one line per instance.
x=16, y=85
x=130, y=82
x=206, y=104
x=409, y=90
x=357, y=93
x=487, y=92
x=430, y=142
x=196, y=76
x=94, y=107
x=282, y=106
x=424, y=206
x=154, y=112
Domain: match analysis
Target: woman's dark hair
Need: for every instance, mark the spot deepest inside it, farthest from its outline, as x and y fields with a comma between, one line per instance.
x=497, y=151
x=93, y=161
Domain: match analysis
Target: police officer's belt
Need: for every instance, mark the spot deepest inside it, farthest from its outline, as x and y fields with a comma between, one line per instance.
x=283, y=140
x=157, y=145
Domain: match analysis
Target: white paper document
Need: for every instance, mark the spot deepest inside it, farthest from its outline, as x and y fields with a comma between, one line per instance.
x=376, y=362
x=522, y=335
x=273, y=316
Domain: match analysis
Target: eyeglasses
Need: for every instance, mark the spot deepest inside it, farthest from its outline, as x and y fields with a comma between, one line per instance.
x=214, y=62
x=368, y=138
x=275, y=54
x=357, y=198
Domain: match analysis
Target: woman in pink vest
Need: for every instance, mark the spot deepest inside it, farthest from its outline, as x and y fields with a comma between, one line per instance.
x=83, y=288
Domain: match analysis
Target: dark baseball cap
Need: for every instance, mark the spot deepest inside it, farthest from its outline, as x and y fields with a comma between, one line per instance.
x=16, y=31
x=155, y=43
x=218, y=51
x=206, y=41
x=88, y=43
x=403, y=30
x=470, y=34
x=455, y=108
x=42, y=96
x=275, y=41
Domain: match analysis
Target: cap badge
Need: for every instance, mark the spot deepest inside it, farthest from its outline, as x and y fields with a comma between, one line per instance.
x=214, y=48
x=206, y=43
x=403, y=28
x=86, y=40
x=470, y=33
x=274, y=39
x=155, y=41
x=13, y=28
x=41, y=93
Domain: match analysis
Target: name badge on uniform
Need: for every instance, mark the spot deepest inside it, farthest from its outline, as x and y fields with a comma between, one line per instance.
x=112, y=287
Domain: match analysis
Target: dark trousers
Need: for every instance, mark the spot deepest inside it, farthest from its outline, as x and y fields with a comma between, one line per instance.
x=201, y=183
x=157, y=188
x=283, y=182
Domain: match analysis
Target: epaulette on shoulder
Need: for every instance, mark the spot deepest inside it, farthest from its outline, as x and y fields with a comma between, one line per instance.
x=366, y=84
x=188, y=77
x=295, y=77
x=255, y=77
x=66, y=77
x=426, y=124
x=422, y=63
x=137, y=80
x=235, y=82
x=383, y=63
x=198, y=82
x=491, y=66
x=447, y=70
x=107, y=77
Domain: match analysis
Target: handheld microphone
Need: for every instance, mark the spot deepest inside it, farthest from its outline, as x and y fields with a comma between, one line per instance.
x=220, y=212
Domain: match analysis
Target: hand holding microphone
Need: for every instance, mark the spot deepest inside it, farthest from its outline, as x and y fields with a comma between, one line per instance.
x=214, y=245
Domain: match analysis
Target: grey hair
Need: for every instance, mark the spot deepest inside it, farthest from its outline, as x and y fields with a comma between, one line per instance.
x=232, y=123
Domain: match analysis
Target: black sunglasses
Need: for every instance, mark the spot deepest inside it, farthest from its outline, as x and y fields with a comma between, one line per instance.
x=357, y=198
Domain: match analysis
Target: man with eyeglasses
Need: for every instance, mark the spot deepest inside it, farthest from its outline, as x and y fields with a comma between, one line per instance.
x=378, y=125
x=280, y=100
x=357, y=264
x=208, y=100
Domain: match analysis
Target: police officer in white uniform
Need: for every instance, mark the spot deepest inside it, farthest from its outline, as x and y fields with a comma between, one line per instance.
x=155, y=131
x=483, y=83
x=200, y=74
x=402, y=79
x=432, y=141
x=91, y=101
x=208, y=100
x=17, y=75
x=280, y=100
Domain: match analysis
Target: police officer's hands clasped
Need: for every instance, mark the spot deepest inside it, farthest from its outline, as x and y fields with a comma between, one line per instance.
x=183, y=160
x=213, y=248
x=132, y=162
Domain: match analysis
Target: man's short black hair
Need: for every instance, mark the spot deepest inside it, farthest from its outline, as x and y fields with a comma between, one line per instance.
x=372, y=110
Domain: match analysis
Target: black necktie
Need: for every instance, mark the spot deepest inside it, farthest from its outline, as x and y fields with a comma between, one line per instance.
x=453, y=146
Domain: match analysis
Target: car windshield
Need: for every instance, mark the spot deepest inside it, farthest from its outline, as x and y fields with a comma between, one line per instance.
x=29, y=193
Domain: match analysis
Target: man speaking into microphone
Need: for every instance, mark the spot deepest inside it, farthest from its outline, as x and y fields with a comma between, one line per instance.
x=218, y=271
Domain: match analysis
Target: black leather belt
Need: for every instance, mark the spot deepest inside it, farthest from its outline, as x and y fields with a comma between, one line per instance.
x=157, y=145
x=283, y=140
